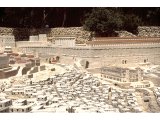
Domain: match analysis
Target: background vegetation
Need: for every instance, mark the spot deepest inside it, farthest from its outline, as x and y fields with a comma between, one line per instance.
x=104, y=21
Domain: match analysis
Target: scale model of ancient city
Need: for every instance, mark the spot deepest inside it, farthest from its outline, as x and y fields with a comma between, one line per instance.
x=69, y=70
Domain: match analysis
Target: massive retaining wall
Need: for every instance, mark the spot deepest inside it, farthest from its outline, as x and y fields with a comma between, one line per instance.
x=149, y=31
x=24, y=33
x=143, y=31
x=109, y=55
x=81, y=34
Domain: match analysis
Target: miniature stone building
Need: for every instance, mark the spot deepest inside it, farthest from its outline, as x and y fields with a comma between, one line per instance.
x=122, y=74
x=42, y=100
x=33, y=38
x=5, y=104
x=18, y=90
x=8, y=50
x=20, y=108
x=4, y=61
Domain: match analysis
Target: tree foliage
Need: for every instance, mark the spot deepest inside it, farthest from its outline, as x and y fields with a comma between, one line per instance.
x=101, y=20
x=131, y=22
x=40, y=17
x=105, y=21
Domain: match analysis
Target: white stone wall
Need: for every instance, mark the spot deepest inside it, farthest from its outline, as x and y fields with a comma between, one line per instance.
x=34, y=38
x=31, y=44
x=42, y=37
x=65, y=41
x=4, y=61
x=41, y=50
x=7, y=41
x=133, y=54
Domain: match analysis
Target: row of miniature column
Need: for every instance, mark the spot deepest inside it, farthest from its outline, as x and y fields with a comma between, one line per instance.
x=131, y=44
x=65, y=42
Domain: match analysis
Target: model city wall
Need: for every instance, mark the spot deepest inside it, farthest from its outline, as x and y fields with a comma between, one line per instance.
x=110, y=54
x=22, y=34
x=132, y=53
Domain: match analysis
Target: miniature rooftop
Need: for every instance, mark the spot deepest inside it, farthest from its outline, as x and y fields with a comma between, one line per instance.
x=117, y=69
x=123, y=40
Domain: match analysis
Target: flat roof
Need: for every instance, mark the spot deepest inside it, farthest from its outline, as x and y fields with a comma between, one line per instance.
x=19, y=107
x=5, y=100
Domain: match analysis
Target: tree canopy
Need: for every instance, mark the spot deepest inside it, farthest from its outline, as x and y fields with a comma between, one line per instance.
x=105, y=21
x=101, y=20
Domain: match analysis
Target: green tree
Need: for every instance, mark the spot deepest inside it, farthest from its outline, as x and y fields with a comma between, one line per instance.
x=131, y=22
x=103, y=21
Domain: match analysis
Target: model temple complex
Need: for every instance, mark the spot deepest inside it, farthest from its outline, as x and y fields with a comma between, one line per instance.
x=70, y=70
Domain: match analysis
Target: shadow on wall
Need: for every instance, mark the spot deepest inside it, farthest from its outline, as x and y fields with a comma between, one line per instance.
x=10, y=73
x=22, y=34
x=25, y=70
x=84, y=63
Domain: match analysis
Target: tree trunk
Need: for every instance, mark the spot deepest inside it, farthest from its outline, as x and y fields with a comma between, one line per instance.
x=64, y=17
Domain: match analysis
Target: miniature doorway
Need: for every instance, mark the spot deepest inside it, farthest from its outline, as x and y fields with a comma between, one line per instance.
x=87, y=64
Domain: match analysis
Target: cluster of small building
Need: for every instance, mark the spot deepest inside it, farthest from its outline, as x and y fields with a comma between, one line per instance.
x=10, y=63
x=71, y=91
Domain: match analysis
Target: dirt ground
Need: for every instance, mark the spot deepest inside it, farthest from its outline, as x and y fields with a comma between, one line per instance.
x=151, y=106
x=155, y=80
